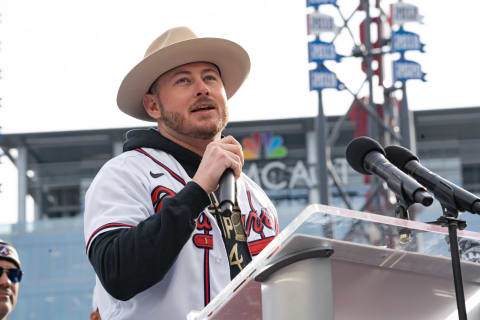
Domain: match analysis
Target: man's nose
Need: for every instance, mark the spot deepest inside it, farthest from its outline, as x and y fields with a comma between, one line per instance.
x=202, y=89
x=4, y=281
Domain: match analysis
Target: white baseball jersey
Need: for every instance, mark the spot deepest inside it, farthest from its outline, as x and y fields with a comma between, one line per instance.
x=129, y=189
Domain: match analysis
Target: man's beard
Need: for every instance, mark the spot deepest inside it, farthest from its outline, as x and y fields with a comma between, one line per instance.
x=177, y=122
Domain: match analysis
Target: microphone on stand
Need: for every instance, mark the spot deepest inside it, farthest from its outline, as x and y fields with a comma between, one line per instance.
x=367, y=156
x=226, y=191
x=446, y=192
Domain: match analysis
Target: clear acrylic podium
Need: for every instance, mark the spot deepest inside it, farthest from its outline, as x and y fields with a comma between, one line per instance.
x=370, y=275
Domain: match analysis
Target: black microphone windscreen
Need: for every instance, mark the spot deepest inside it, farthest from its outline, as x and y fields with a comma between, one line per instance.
x=358, y=148
x=399, y=156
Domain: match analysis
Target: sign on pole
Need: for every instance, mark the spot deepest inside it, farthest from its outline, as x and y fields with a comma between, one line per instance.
x=318, y=23
x=402, y=12
x=319, y=51
x=316, y=3
x=404, y=40
x=322, y=78
x=404, y=70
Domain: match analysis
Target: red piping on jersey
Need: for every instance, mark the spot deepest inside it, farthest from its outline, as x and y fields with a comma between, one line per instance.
x=206, y=277
x=173, y=174
x=250, y=201
x=107, y=226
x=257, y=246
x=204, y=241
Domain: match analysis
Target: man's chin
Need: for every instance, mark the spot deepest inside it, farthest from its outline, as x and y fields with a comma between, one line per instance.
x=204, y=135
x=206, y=132
x=5, y=307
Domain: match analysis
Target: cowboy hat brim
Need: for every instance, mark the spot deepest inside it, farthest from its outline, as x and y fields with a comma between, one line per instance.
x=229, y=57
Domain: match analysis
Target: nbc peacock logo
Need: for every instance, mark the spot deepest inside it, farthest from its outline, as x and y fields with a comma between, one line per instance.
x=272, y=146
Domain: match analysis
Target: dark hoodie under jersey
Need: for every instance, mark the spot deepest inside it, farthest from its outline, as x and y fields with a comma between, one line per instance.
x=118, y=255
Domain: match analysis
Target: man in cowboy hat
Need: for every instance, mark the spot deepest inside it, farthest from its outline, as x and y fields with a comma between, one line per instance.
x=10, y=276
x=157, y=238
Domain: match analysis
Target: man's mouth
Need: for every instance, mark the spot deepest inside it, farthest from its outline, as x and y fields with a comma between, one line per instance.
x=205, y=107
x=4, y=296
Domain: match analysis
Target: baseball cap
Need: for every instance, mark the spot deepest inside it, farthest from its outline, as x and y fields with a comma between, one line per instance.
x=8, y=252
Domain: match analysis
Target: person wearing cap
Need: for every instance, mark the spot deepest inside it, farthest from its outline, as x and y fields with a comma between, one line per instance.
x=10, y=277
x=156, y=236
x=95, y=314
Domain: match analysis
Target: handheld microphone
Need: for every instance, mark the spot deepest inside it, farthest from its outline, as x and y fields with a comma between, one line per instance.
x=226, y=192
x=367, y=156
x=445, y=191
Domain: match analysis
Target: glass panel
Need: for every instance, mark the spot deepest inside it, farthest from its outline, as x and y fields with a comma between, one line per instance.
x=343, y=227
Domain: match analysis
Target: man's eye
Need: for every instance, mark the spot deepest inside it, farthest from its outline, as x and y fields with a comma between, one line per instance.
x=182, y=81
x=210, y=78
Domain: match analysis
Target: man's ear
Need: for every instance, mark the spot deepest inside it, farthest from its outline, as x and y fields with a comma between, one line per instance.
x=151, y=104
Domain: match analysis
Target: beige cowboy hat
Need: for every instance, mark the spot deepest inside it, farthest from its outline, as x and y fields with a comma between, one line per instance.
x=176, y=47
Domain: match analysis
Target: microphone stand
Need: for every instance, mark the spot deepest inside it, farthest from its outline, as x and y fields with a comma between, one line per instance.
x=449, y=219
x=445, y=194
x=401, y=211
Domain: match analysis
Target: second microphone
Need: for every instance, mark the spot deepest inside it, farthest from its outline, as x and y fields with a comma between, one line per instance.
x=367, y=156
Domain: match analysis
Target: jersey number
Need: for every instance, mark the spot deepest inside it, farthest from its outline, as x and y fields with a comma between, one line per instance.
x=234, y=258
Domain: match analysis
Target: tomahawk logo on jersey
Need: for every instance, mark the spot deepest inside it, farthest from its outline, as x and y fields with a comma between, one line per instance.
x=158, y=194
x=202, y=268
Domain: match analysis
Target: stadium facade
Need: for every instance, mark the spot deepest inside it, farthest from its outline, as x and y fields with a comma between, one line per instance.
x=56, y=168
